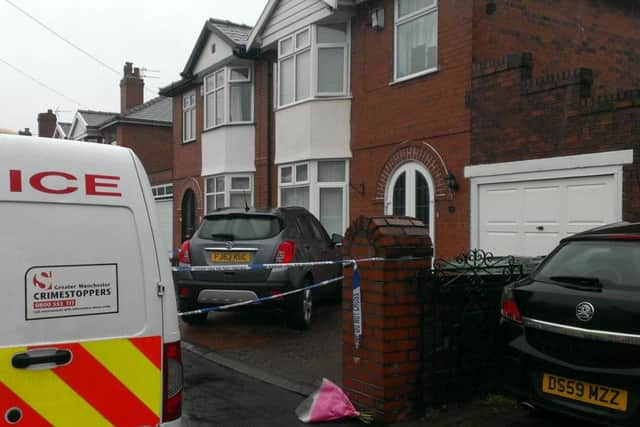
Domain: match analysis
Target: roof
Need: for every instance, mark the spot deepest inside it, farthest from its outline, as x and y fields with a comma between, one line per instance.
x=65, y=126
x=268, y=10
x=155, y=112
x=234, y=34
x=158, y=109
x=96, y=118
x=237, y=33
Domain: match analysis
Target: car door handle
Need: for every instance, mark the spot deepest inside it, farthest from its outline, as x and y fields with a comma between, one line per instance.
x=44, y=358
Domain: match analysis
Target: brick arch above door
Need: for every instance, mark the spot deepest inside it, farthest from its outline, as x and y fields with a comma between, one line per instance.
x=416, y=152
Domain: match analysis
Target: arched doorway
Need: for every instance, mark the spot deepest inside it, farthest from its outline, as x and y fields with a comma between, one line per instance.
x=410, y=192
x=188, y=215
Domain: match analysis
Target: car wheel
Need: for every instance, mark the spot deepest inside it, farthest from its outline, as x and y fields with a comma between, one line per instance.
x=195, y=319
x=300, y=310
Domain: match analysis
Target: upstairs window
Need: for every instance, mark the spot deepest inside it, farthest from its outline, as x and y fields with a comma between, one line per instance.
x=228, y=97
x=331, y=41
x=313, y=63
x=416, y=32
x=189, y=116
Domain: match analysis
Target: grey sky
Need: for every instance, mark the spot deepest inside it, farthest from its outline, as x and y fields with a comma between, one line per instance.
x=156, y=34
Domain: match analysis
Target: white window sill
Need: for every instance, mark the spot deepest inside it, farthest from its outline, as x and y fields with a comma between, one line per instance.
x=414, y=76
x=227, y=125
x=317, y=98
x=189, y=141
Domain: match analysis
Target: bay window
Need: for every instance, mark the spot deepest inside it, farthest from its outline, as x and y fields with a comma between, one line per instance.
x=319, y=186
x=189, y=116
x=313, y=63
x=224, y=191
x=228, y=96
x=416, y=35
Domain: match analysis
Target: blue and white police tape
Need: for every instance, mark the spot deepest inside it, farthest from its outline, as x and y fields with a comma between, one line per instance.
x=257, y=266
x=258, y=300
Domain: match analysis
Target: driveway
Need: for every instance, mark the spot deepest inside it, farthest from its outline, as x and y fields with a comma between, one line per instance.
x=262, y=341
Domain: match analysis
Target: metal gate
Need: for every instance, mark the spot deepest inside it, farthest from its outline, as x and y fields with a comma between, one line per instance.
x=461, y=312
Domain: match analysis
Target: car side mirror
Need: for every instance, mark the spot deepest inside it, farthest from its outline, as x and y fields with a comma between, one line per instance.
x=336, y=239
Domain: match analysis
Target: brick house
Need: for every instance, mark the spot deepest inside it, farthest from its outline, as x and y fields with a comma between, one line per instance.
x=214, y=127
x=474, y=116
x=144, y=127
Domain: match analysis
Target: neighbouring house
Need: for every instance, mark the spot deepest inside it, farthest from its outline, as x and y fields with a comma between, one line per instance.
x=473, y=116
x=214, y=158
x=62, y=130
x=85, y=125
x=144, y=127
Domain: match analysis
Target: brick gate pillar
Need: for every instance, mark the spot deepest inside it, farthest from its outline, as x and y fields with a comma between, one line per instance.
x=382, y=374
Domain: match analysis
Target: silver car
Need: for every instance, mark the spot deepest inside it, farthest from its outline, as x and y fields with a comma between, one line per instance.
x=254, y=236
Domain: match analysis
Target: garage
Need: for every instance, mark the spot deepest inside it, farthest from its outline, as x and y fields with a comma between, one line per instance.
x=529, y=218
x=525, y=208
x=164, y=208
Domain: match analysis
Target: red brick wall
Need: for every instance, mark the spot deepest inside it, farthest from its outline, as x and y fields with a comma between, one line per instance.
x=515, y=118
x=603, y=35
x=153, y=145
x=427, y=109
x=187, y=164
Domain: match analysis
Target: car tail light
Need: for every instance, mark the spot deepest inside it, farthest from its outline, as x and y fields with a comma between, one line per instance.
x=184, y=254
x=276, y=294
x=172, y=382
x=286, y=252
x=509, y=307
x=184, y=292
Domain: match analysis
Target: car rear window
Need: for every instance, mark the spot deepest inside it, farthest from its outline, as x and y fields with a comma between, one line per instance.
x=614, y=263
x=240, y=227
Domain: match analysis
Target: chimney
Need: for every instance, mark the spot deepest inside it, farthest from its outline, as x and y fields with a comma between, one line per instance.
x=25, y=132
x=46, y=124
x=131, y=88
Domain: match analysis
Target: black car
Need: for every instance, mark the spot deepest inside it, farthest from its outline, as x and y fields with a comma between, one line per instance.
x=253, y=236
x=570, y=332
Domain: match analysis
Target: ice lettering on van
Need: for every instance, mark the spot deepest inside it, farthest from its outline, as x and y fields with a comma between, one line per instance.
x=15, y=181
x=92, y=184
x=95, y=184
x=36, y=182
x=43, y=280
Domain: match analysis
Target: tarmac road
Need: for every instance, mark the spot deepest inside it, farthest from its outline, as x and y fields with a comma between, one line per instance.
x=217, y=396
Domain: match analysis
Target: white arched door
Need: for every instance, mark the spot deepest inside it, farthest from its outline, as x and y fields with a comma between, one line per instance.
x=409, y=192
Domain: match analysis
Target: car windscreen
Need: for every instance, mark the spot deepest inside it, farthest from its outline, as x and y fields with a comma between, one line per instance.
x=597, y=263
x=240, y=227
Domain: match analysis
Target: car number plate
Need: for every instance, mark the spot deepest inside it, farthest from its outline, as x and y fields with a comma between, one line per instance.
x=231, y=257
x=594, y=394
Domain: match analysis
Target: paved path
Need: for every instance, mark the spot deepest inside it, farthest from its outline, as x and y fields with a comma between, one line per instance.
x=217, y=396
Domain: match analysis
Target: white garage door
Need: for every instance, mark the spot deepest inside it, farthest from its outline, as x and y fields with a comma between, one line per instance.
x=164, y=208
x=529, y=218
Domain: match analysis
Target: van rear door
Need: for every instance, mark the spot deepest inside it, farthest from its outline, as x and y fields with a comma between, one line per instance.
x=81, y=330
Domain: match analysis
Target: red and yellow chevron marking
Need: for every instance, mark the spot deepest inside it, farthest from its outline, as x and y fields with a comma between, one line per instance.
x=108, y=383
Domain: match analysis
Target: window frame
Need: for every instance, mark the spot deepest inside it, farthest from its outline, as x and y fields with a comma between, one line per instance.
x=228, y=190
x=191, y=110
x=160, y=191
x=225, y=88
x=346, y=55
x=397, y=22
x=314, y=186
x=313, y=47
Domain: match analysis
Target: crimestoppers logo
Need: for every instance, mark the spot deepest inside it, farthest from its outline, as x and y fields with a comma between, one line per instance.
x=43, y=280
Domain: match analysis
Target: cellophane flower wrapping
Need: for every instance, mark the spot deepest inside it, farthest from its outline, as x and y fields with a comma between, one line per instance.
x=328, y=403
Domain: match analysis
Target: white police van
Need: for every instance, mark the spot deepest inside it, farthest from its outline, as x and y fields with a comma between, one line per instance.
x=88, y=323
